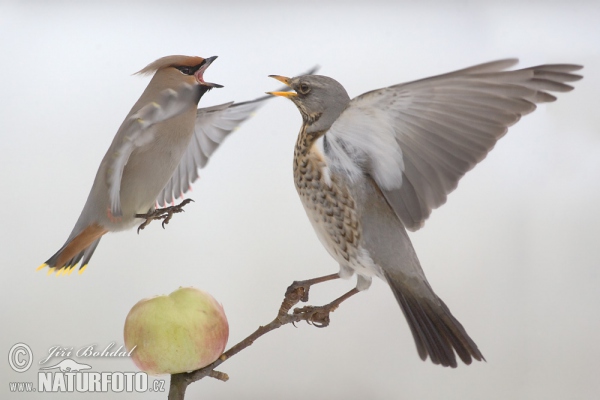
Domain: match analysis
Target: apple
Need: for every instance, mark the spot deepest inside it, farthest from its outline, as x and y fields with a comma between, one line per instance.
x=181, y=332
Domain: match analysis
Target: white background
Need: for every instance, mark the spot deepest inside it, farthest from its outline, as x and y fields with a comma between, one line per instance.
x=514, y=253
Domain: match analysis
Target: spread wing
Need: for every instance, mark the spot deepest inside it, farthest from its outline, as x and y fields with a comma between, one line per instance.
x=136, y=131
x=213, y=125
x=418, y=139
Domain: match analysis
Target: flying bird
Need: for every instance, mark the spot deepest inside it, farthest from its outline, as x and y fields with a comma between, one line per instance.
x=154, y=157
x=369, y=168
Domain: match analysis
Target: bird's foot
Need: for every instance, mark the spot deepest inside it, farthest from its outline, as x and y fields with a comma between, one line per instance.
x=162, y=213
x=317, y=316
x=298, y=291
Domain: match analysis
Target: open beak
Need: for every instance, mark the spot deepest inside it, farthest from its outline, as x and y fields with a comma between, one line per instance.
x=199, y=75
x=285, y=81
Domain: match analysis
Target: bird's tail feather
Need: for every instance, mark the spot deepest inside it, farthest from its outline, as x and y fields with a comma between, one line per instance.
x=436, y=332
x=78, y=250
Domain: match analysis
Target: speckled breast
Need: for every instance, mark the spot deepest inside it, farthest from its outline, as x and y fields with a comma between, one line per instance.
x=328, y=205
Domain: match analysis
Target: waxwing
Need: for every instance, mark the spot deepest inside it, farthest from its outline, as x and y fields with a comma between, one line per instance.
x=154, y=156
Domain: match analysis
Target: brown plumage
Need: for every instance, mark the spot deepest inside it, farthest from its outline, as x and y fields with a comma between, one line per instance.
x=154, y=156
x=169, y=62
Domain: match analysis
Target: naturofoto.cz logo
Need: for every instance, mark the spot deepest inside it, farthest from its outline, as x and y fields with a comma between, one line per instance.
x=69, y=375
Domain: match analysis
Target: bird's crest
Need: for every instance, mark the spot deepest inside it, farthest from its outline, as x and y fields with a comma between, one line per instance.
x=170, y=61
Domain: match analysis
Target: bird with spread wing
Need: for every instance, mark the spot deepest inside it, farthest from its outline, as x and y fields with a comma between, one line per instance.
x=370, y=168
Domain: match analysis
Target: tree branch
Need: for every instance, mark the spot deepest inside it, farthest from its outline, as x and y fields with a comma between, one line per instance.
x=318, y=316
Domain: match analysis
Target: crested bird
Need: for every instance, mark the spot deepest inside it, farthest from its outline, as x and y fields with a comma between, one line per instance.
x=154, y=156
x=369, y=168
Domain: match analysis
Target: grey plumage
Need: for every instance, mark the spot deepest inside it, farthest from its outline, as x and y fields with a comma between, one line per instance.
x=369, y=168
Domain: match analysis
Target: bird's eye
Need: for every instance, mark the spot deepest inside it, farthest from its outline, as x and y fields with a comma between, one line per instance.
x=304, y=88
x=186, y=70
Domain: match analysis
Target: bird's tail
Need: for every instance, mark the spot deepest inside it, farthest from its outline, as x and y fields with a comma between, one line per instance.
x=436, y=332
x=78, y=249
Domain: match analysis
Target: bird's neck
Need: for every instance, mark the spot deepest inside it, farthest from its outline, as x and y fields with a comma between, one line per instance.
x=306, y=141
x=308, y=160
x=305, y=145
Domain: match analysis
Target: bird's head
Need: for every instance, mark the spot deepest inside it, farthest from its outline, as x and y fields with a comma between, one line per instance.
x=174, y=70
x=320, y=99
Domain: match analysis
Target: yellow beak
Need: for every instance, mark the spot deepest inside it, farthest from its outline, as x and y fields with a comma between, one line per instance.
x=285, y=81
x=284, y=94
x=282, y=79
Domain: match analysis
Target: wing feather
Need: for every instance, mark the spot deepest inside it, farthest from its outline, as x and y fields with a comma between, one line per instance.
x=213, y=126
x=442, y=127
x=136, y=131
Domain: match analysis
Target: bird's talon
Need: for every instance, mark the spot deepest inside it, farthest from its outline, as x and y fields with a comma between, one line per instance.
x=143, y=225
x=162, y=213
x=320, y=319
x=297, y=291
x=316, y=316
x=323, y=324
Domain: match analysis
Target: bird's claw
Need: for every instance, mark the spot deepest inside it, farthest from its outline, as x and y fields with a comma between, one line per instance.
x=162, y=213
x=143, y=225
x=297, y=291
x=316, y=316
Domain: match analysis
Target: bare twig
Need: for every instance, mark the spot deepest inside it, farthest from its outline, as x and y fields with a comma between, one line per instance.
x=317, y=316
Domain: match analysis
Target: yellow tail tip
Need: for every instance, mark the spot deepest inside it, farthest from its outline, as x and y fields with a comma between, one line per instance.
x=61, y=271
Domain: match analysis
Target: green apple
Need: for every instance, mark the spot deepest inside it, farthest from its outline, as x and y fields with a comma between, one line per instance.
x=181, y=332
